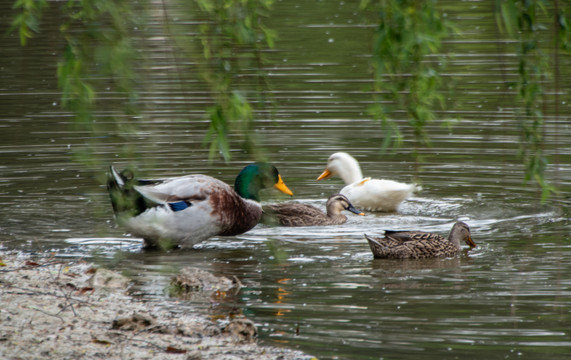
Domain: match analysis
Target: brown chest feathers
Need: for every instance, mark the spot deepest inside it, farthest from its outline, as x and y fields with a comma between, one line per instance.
x=235, y=215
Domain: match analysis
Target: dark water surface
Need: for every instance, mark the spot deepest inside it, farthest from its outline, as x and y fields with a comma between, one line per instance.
x=319, y=289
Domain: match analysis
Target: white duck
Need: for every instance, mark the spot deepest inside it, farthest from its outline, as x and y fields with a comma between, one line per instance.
x=366, y=193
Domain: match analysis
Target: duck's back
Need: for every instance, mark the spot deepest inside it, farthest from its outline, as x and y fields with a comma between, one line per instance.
x=418, y=249
x=378, y=194
x=194, y=208
x=190, y=187
x=411, y=245
x=404, y=236
x=295, y=214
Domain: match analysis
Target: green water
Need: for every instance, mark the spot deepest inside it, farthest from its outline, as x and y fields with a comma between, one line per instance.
x=319, y=289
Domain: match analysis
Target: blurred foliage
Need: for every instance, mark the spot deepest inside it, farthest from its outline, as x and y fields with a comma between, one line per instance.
x=527, y=21
x=98, y=54
x=277, y=253
x=407, y=61
x=226, y=48
x=230, y=41
x=406, y=73
x=28, y=18
x=101, y=53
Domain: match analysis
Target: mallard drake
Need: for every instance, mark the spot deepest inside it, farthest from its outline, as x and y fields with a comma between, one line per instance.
x=418, y=244
x=366, y=193
x=183, y=211
x=297, y=214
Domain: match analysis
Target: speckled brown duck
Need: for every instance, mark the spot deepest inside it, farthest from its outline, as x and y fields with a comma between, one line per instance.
x=420, y=245
x=298, y=214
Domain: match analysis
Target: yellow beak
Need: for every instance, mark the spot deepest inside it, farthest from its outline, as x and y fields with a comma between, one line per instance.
x=281, y=186
x=325, y=175
x=470, y=242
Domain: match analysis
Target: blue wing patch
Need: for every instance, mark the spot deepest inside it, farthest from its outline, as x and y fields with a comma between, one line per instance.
x=180, y=205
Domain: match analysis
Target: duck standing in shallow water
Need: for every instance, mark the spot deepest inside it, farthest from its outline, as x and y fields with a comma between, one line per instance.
x=366, y=193
x=296, y=214
x=418, y=244
x=183, y=211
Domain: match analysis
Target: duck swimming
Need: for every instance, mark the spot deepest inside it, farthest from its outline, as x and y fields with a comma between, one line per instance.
x=297, y=214
x=183, y=211
x=366, y=193
x=418, y=244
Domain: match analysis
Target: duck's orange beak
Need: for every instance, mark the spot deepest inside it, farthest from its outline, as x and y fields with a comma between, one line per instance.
x=470, y=242
x=281, y=186
x=325, y=175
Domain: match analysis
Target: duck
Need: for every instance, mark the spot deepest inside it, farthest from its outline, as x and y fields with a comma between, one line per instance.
x=298, y=214
x=366, y=193
x=419, y=244
x=183, y=211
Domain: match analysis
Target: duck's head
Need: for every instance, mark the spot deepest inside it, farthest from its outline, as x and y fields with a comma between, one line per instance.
x=258, y=176
x=343, y=165
x=461, y=231
x=337, y=203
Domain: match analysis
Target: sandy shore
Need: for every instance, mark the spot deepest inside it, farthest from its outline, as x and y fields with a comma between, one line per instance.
x=53, y=309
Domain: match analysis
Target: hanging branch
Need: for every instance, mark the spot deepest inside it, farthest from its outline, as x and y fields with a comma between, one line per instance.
x=408, y=32
x=522, y=20
x=231, y=37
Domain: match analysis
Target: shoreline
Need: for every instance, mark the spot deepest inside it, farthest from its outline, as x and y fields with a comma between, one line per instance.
x=57, y=309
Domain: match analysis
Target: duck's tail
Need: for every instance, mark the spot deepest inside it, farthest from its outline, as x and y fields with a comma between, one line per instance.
x=125, y=199
x=379, y=250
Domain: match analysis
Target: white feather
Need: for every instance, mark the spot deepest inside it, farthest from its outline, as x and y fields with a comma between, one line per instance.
x=196, y=223
x=366, y=193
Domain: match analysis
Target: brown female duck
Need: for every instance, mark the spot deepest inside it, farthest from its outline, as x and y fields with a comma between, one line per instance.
x=418, y=244
x=297, y=214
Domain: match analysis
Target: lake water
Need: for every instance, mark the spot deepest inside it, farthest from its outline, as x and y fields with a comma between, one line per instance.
x=319, y=289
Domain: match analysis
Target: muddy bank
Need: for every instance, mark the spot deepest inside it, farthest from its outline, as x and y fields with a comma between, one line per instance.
x=52, y=309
